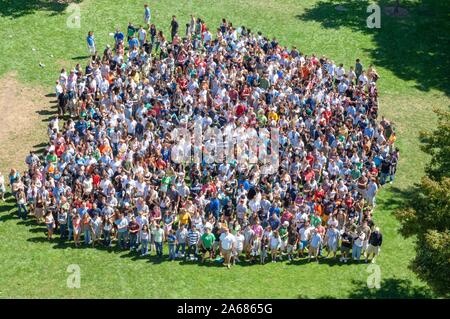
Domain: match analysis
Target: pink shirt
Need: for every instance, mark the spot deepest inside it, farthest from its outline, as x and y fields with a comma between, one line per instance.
x=258, y=230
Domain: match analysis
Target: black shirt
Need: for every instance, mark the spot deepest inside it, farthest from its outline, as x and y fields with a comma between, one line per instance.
x=174, y=26
x=376, y=239
x=346, y=237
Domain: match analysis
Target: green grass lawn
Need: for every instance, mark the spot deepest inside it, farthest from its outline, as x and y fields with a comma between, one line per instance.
x=410, y=54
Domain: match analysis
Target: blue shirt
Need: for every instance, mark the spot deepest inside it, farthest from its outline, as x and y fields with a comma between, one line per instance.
x=147, y=12
x=316, y=240
x=119, y=36
x=215, y=205
x=90, y=40
x=274, y=223
x=133, y=43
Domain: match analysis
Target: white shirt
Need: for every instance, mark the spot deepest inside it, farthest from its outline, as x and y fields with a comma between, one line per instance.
x=227, y=240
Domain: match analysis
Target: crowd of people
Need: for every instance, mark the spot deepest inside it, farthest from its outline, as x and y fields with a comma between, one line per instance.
x=107, y=176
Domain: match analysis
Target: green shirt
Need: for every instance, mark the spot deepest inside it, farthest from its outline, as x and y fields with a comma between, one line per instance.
x=208, y=240
x=355, y=174
x=315, y=220
x=158, y=235
x=264, y=84
x=283, y=232
x=52, y=158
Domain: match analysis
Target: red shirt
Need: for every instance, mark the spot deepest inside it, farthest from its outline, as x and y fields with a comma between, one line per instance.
x=96, y=180
x=309, y=176
x=240, y=110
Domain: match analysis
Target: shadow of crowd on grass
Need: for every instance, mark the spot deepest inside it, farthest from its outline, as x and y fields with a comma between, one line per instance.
x=392, y=288
x=8, y=211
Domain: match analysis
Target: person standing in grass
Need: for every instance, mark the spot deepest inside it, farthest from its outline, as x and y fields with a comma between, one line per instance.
x=76, y=222
x=332, y=240
x=152, y=33
x=50, y=223
x=174, y=27
x=91, y=42
x=206, y=243
x=2, y=186
x=22, y=204
x=62, y=221
x=293, y=240
x=358, y=69
x=142, y=36
x=314, y=245
x=227, y=244
x=86, y=223
x=192, y=239
x=239, y=247
x=133, y=229
x=144, y=240
x=375, y=241
x=274, y=245
x=181, y=235
x=107, y=229
x=158, y=235
x=358, y=242
x=305, y=234
x=96, y=227
x=131, y=30
x=122, y=230
x=172, y=242
x=147, y=14
x=346, y=244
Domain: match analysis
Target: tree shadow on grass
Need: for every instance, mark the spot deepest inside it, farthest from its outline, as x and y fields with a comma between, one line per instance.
x=390, y=288
x=18, y=8
x=397, y=198
x=414, y=47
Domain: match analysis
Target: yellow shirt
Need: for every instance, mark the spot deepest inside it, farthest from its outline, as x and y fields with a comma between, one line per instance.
x=184, y=218
x=273, y=116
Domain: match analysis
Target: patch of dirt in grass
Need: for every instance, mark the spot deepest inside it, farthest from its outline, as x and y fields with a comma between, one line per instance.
x=23, y=111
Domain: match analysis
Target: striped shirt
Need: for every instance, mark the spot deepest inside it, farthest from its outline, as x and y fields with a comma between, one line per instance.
x=193, y=237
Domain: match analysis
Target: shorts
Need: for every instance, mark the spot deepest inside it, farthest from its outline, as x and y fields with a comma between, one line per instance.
x=50, y=226
x=303, y=244
x=290, y=248
x=39, y=212
x=204, y=250
x=373, y=250
x=332, y=247
x=365, y=245
x=345, y=249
